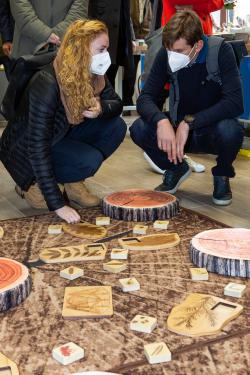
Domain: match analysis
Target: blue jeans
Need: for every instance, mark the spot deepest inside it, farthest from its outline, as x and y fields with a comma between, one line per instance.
x=223, y=139
x=81, y=152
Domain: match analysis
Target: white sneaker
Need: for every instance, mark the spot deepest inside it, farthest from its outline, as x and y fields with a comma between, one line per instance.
x=196, y=167
x=152, y=164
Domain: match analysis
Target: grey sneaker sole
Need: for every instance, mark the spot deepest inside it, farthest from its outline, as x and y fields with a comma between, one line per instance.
x=183, y=178
x=220, y=202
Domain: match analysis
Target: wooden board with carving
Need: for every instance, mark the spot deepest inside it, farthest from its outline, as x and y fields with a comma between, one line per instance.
x=75, y=253
x=140, y=205
x=150, y=242
x=201, y=315
x=87, y=302
x=85, y=230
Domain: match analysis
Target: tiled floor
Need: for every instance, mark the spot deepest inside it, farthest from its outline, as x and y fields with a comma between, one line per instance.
x=128, y=169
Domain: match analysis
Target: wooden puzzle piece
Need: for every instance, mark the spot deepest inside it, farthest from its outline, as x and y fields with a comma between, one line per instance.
x=85, y=230
x=55, y=229
x=150, y=242
x=143, y=323
x=87, y=302
x=234, y=290
x=119, y=254
x=7, y=367
x=129, y=284
x=75, y=253
x=140, y=229
x=115, y=266
x=157, y=352
x=198, y=274
x=102, y=220
x=161, y=224
x=68, y=353
x=71, y=273
x=1, y=232
x=202, y=314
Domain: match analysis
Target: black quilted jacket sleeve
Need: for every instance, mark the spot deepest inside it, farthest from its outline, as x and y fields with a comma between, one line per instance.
x=6, y=21
x=43, y=103
x=111, y=102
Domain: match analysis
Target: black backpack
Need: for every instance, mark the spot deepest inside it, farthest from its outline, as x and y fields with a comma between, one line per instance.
x=22, y=71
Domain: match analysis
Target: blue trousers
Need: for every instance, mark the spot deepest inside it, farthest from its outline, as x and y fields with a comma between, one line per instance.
x=81, y=152
x=223, y=139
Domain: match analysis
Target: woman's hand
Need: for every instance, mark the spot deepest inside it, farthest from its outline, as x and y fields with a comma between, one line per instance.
x=68, y=214
x=95, y=110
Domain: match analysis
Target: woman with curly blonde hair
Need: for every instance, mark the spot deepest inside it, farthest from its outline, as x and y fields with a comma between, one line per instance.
x=68, y=124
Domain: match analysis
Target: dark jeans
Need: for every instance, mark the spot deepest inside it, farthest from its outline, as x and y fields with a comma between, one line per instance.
x=81, y=152
x=223, y=139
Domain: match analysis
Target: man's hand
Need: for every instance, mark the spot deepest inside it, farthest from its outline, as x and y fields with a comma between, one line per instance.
x=68, y=214
x=54, y=39
x=166, y=139
x=93, y=111
x=7, y=47
x=181, y=139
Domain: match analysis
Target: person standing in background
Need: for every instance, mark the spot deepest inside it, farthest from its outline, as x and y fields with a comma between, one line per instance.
x=202, y=7
x=40, y=22
x=6, y=31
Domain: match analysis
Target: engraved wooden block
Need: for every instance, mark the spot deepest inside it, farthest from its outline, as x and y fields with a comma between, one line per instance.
x=143, y=323
x=71, y=273
x=87, y=302
x=68, y=353
x=115, y=266
x=140, y=229
x=7, y=367
x=85, y=230
x=119, y=254
x=55, y=229
x=1, y=232
x=150, y=242
x=102, y=220
x=198, y=274
x=157, y=352
x=161, y=224
x=234, y=290
x=129, y=284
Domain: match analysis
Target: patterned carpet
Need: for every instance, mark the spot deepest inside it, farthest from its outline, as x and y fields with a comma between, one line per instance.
x=29, y=332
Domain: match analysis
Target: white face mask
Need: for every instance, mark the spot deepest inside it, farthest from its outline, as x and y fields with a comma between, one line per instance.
x=100, y=63
x=178, y=60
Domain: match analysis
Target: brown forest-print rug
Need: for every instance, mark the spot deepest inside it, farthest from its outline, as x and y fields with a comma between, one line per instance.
x=29, y=332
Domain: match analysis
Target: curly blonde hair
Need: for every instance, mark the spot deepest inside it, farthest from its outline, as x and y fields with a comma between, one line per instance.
x=73, y=63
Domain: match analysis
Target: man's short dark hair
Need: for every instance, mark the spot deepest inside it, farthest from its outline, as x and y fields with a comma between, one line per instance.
x=184, y=24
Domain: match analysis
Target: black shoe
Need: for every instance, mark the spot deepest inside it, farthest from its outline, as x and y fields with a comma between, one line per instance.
x=222, y=195
x=173, y=178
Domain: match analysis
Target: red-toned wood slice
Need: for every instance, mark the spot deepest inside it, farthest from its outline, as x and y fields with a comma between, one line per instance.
x=140, y=205
x=15, y=283
x=223, y=251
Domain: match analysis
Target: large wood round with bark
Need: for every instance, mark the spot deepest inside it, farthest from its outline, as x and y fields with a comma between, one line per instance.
x=223, y=251
x=15, y=283
x=140, y=205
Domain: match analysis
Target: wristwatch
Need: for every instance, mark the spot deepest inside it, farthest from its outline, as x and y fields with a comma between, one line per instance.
x=190, y=119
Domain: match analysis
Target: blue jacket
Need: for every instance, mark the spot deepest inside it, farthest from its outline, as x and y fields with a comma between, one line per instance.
x=6, y=21
x=209, y=101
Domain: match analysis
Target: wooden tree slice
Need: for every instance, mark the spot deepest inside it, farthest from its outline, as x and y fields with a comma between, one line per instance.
x=1, y=232
x=202, y=314
x=15, y=283
x=140, y=205
x=223, y=251
x=7, y=366
x=150, y=242
x=85, y=230
x=75, y=253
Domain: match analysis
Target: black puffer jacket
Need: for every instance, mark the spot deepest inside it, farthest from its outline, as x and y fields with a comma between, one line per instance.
x=40, y=122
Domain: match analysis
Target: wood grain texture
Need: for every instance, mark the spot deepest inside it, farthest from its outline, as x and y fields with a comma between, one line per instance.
x=85, y=230
x=150, y=242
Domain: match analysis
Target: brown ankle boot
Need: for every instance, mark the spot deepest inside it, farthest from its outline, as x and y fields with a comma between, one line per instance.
x=35, y=197
x=79, y=196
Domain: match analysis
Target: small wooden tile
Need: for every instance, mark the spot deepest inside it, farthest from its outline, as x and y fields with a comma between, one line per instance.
x=198, y=274
x=55, y=229
x=102, y=220
x=157, y=352
x=143, y=323
x=119, y=254
x=71, y=273
x=1, y=232
x=129, y=284
x=140, y=229
x=234, y=290
x=68, y=353
x=115, y=266
x=7, y=366
x=161, y=224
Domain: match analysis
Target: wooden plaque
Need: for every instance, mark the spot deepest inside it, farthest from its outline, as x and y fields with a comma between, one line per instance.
x=223, y=251
x=140, y=205
x=7, y=367
x=15, y=283
x=85, y=230
x=75, y=253
x=1, y=232
x=87, y=302
x=202, y=314
x=150, y=242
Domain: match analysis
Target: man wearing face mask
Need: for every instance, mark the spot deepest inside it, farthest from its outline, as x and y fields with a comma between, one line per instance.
x=202, y=111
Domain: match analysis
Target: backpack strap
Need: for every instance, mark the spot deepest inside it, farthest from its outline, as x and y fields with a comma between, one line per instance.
x=212, y=63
